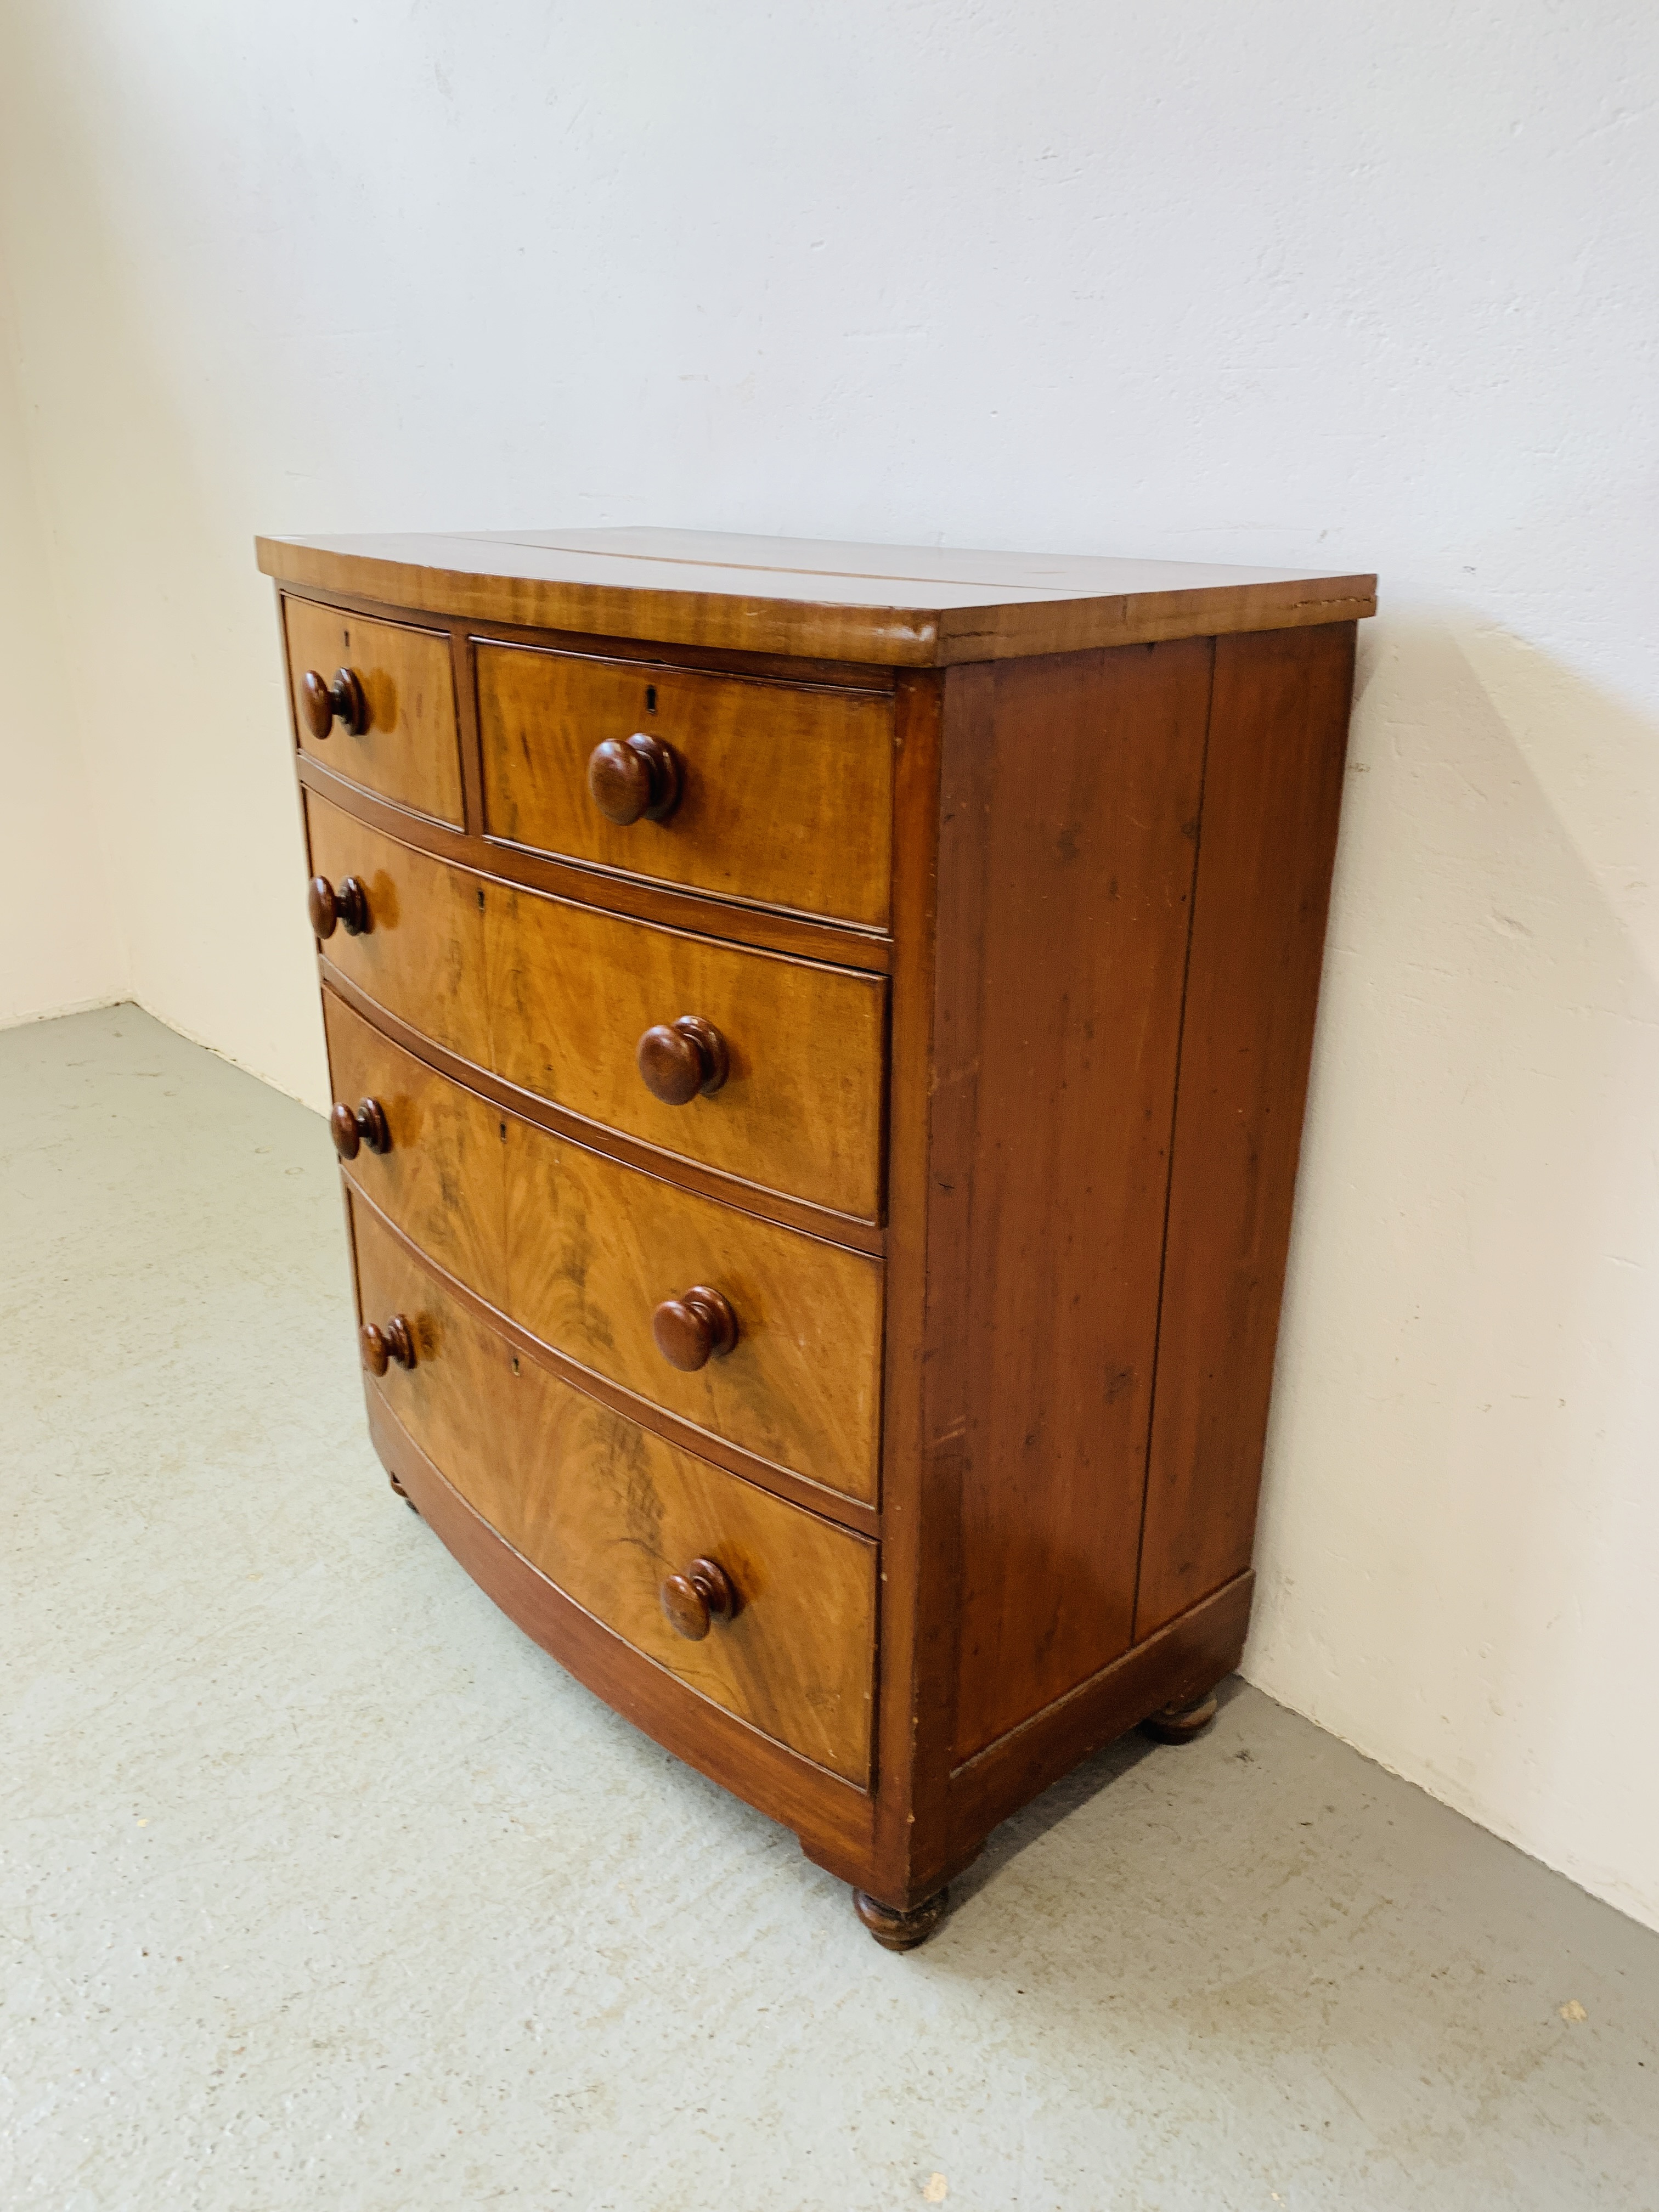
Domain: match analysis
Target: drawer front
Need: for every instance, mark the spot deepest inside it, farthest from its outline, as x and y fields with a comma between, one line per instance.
x=423, y=953
x=608, y=1511
x=442, y=1178
x=554, y=997
x=410, y=751
x=580, y=1250
x=785, y=791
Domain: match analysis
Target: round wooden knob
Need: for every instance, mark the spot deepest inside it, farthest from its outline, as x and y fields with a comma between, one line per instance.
x=323, y=704
x=635, y=779
x=680, y=1058
x=695, y=1329
x=382, y=1346
x=345, y=903
x=702, y=1595
x=353, y=1128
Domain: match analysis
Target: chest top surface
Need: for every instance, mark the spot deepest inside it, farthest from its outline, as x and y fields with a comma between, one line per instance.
x=896, y=605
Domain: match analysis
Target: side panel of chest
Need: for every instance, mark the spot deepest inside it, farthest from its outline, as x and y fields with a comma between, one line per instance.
x=1068, y=810
x=1273, y=789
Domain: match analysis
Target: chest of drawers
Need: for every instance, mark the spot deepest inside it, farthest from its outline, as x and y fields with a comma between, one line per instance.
x=819, y=1036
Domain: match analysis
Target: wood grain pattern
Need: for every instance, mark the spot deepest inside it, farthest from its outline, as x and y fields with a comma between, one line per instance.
x=765, y=667
x=444, y=1179
x=410, y=751
x=768, y=930
x=701, y=589
x=1189, y=1655
x=832, y=1818
x=607, y=1511
x=835, y=1505
x=595, y=1248
x=920, y=1585
x=1273, y=789
x=1068, y=813
x=785, y=793
x=530, y=1106
x=424, y=951
x=554, y=997
x=580, y=1250
x=572, y=991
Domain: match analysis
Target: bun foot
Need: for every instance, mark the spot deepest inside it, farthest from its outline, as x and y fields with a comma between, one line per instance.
x=1180, y=1723
x=403, y=1493
x=900, y=1931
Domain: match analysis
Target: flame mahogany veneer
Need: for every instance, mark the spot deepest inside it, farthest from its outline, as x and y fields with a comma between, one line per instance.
x=819, y=1037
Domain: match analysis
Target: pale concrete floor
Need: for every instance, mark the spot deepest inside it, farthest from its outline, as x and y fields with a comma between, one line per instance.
x=323, y=1887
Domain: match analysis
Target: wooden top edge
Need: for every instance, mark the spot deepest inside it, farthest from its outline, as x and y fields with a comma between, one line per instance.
x=704, y=589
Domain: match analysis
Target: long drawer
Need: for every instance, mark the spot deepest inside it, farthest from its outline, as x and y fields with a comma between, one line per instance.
x=780, y=793
x=582, y=1251
x=609, y=1513
x=555, y=996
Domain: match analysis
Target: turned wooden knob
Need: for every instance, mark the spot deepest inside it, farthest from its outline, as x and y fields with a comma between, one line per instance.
x=635, y=779
x=702, y=1595
x=323, y=704
x=680, y=1058
x=695, y=1329
x=345, y=903
x=353, y=1128
x=382, y=1346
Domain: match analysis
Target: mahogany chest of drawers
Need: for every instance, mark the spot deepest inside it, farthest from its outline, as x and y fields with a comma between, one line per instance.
x=819, y=1036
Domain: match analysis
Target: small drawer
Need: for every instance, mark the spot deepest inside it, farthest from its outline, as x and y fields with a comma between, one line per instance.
x=780, y=794
x=582, y=1251
x=375, y=702
x=611, y=1513
x=556, y=997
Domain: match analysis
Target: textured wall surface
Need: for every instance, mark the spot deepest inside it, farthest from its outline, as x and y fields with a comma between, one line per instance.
x=1358, y=287
x=59, y=946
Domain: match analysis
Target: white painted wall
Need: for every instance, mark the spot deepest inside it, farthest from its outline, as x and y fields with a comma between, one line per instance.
x=1365, y=286
x=60, y=950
